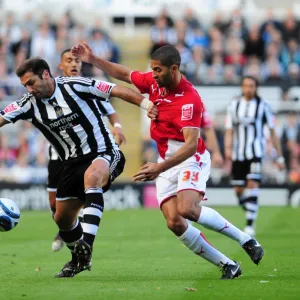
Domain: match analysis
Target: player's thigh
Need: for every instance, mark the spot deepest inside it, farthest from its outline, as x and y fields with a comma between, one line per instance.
x=175, y=222
x=66, y=212
x=254, y=175
x=239, y=172
x=97, y=174
x=191, y=185
x=52, y=201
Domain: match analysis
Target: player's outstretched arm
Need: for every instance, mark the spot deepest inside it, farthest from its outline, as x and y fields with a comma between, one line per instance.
x=117, y=71
x=3, y=121
x=133, y=97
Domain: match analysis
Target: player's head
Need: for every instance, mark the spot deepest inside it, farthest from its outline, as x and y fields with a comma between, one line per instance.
x=35, y=75
x=165, y=64
x=70, y=64
x=249, y=87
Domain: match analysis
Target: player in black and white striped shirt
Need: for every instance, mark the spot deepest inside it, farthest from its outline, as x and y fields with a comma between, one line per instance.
x=64, y=109
x=71, y=66
x=245, y=146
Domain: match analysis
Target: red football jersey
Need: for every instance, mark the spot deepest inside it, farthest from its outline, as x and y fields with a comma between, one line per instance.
x=179, y=109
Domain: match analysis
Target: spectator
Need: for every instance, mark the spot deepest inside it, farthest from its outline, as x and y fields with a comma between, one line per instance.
x=270, y=20
x=290, y=54
x=219, y=23
x=290, y=28
x=191, y=20
x=162, y=34
x=254, y=44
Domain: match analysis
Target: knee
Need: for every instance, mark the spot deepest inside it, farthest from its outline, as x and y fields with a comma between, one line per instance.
x=93, y=178
x=189, y=210
x=177, y=225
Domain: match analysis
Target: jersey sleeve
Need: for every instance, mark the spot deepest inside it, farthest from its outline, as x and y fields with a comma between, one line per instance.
x=100, y=89
x=189, y=114
x=105, y=108
x=268, y=116
x=206, y=121
x=228, y=119
x=18, y=110
x=142, y=81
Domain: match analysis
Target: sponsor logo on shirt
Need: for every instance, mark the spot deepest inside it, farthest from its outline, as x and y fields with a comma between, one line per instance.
x=103, y=87
x=179, y=95
x=11, y=107
x=160, y=101
x=187, y=112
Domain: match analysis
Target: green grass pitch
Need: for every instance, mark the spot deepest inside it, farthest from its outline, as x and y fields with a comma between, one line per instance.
x=136, y=257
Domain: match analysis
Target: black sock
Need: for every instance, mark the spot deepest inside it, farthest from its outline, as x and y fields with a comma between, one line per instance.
x=70, y=237
x=92, y=213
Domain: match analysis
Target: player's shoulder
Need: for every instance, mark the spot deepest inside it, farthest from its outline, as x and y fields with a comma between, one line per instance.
x=74, y=79
x=26, y=98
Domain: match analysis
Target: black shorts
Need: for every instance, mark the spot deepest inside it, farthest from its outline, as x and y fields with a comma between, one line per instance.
x=244, y=170
x=71, y=183
x=55, y=168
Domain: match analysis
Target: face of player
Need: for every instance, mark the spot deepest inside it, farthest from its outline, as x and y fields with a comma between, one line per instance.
x=164, y=76
x=70, y=64
x=38, y=87
x=249, y=88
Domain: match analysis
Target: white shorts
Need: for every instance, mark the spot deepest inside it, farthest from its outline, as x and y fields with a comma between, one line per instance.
x=191, y=174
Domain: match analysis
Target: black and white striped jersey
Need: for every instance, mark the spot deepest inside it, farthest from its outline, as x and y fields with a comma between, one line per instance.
x=105, y=108
x=70, y=119
x=247, y=120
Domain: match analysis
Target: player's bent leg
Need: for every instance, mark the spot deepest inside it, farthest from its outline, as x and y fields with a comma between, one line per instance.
x=70, y=231
x=211, y=219
x=95, y=177
x=193, y=239
x=57, y=242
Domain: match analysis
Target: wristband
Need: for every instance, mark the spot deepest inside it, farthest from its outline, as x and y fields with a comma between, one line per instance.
x=280, y=160
x=146, y=104
x=117, y=125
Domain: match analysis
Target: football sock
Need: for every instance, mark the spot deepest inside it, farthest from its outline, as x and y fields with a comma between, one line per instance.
x=92, y=213
x=70, y=237
x=211, y=219
x=250, y=205
x=196, y=242
x=80, y=215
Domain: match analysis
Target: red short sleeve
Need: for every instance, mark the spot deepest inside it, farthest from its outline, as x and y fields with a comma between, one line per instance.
x=188, y=114
x=142, y=81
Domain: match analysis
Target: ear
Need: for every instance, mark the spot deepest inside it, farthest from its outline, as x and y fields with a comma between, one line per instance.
x=45, y=74
x=174, y=69
x=60, y=66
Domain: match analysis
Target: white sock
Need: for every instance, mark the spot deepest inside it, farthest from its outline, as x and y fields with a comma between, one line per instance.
x=196, y=241
x=211, y=219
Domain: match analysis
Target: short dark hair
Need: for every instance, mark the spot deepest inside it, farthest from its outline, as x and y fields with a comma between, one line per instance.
x=167, y=55
x=36, y=65
x=65, y=51
x=250, y=77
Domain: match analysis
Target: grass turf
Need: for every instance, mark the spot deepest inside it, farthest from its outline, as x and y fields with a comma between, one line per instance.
x=136, y=257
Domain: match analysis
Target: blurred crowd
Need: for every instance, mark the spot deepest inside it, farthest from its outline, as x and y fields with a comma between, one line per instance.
x=227, y=49
x=216, y=54
x=23, y=38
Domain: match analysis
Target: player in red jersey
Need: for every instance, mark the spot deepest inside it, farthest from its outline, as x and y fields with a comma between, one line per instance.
x=184, y=163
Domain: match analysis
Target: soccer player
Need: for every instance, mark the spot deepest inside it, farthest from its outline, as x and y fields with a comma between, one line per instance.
x=245, y=146
x=71, y=66
x=65, y=110
x=184, y=164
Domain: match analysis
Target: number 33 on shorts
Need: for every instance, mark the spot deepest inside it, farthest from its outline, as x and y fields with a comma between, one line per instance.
x=190, y=176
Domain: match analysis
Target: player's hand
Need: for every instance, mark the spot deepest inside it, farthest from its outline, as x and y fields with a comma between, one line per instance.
x=280, y=162
x=148, y=172
x=152, y=112
x=119, y=135
x=83, y=51
x=217, y=159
